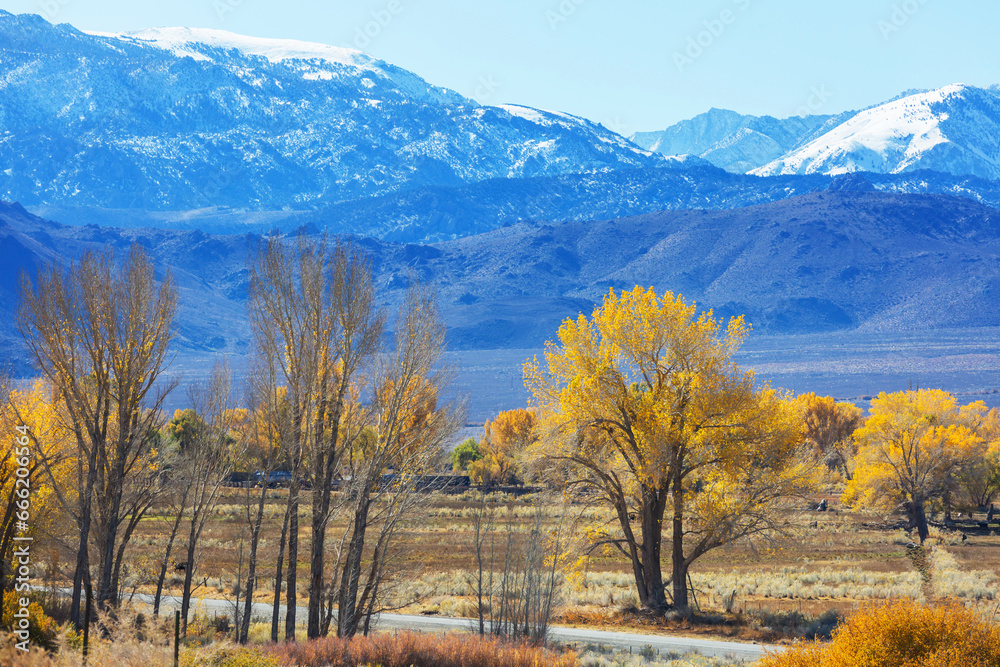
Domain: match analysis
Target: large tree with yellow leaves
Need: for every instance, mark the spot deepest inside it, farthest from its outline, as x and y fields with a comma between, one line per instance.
x=911, y=445
x=644, y=403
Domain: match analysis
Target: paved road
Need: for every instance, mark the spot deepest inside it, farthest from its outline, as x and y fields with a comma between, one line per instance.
x=621, y=641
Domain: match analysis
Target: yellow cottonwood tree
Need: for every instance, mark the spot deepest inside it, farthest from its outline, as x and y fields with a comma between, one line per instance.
x=979, y=479
x=41, y=446
x=643, y=402
x=504, y=440
x=830, y=427
x=909, y=448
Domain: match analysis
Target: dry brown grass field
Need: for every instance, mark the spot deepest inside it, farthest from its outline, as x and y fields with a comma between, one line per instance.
x=834, y=560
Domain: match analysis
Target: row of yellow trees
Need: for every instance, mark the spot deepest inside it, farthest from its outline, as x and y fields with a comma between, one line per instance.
x=643, y=405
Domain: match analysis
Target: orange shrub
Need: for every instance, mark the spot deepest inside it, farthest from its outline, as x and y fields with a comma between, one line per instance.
x=41, y=629
x=406, y=649
x=901, y=634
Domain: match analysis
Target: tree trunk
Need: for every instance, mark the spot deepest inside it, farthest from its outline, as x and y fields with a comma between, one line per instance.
x=122, y=545
x=243, y=633
x=105, y=586
x=166, y=563
x=278, y=575
x=293, y=559
x=321, y=508
x=83, y=550
x=347, y=621
x=188, y=576
x=654, y=506
x=919, y=518
x=679, y=567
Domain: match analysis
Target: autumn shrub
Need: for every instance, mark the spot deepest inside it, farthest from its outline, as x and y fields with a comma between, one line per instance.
x=236, y=657
x=406, y=649
x=902, y=634
x=41, y=629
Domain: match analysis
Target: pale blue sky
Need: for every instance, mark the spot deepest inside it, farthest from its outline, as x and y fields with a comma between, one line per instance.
x=629, y=64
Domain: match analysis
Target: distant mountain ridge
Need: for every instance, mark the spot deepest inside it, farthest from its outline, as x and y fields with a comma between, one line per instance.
x=203, y=129
x=955, y=130
x=180, y=119
x=952, y=130
x=826, y=261
x=732, y=141
x=429, y=214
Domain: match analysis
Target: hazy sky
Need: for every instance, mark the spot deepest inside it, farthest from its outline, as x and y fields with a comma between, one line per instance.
x=630, y=64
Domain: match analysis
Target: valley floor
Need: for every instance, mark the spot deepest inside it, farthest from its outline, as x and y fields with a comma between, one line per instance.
x=851, y=366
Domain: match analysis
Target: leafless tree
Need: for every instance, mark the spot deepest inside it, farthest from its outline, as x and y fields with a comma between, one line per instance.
x=404, y=430
x=209, y=458
x=99, y=333
x=517, y=578
x=266, y=414
x=313, y=313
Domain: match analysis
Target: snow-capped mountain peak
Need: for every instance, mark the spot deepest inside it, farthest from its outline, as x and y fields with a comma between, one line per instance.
x=187, y=118
x=197, y=43
x=954, y=129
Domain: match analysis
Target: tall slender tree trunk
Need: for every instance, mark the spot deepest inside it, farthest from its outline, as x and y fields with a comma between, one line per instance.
x=323, y=463
x=654, y=505
x=320, y=514
x=186, y=592
x=244, y=630
x=105, y=586
x=188, y=576
x=679, y=568
x=278, y=578
x=83, y=550
x=347, y=617
x=291, y=583
x=320, y=509
x=138, y=512
x=166, y=562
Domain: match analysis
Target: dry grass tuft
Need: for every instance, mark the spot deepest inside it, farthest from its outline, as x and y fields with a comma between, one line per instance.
x=406, y=649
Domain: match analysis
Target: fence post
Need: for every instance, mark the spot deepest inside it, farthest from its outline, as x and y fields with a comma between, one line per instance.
x=177, y=637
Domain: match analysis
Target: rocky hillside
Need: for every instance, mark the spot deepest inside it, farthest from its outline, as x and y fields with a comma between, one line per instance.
x=826, y=261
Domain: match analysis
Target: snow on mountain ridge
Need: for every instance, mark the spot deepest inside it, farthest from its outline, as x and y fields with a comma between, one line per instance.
x=179, y=118
x=951, y=129
x=180, y=40
x=730, y=140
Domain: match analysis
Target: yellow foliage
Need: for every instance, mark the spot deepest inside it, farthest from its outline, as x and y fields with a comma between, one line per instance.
x=829, y=428
x=980, y=477
x=909, y=447
x=504, y=440
x=643, y=373
x=42, y=629
x=643, y=401
x=46, y=437
x=901, y=634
